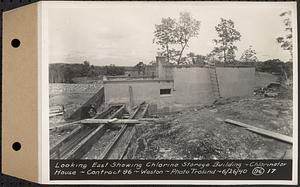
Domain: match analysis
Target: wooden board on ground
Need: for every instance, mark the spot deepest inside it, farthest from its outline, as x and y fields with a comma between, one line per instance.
x=261, y=131
x=118, y=121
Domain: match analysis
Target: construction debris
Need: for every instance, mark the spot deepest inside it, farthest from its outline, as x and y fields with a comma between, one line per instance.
x=274, y=89
x=56, y=111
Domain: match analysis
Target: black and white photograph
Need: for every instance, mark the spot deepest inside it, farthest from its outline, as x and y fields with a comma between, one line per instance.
x=171, y=81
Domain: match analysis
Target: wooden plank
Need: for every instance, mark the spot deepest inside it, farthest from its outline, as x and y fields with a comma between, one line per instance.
x=119, y=121
x=261, y=131
x=109, y=121
x=51, y=111
x=65, y=126
x=118, y=113
x=109, y=147
x=56, y=114
x=127, y=154
x=74, y=123
x=130, y=96
x=123, y=144
x=60, y=143
x=71, y=143
x=145, y=110
x=135, y=112
x=83, y=146
x=103, y=113
x=86, y=144
x=128, y=135
x=120, y=146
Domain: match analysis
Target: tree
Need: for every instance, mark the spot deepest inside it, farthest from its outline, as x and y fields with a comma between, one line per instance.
x=86, y=63
x=173, y=36
x=227, y=36
x=196, y=59
x=141, y=68
x=86, y=68
x=165, y=34
x=192, y=57
x=188, y=27
x=276, y=66
x=213, y=56
x=286, y=41
x=92, y=72
x=113, y=70
x=68, y=75
x=249, y=55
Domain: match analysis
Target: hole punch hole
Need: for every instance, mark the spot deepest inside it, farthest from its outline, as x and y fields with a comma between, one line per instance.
x=16, y=146
x=15, y=43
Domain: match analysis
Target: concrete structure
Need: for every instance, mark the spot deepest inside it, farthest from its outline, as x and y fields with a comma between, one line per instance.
x=118, y=91
x=181, y=85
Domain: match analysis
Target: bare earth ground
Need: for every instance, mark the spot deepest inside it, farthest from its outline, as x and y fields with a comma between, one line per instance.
x=199, y=132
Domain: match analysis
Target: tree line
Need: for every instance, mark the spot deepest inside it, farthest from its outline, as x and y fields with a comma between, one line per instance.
x=64, y=73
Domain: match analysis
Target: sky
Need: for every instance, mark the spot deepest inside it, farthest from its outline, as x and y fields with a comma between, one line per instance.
x=121, y=33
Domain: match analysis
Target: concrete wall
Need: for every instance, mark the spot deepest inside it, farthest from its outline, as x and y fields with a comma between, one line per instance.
x=165, y=72
x=236, y=81
x=192, y=85
x=142, y=90
x=165, y=69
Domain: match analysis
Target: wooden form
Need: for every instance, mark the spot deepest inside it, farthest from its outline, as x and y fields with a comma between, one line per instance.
x=55, y=148
x=86, y=144
x=110, y=146
x=261, y=131
x=118, y=147
x=80, y=140
x=86, y=135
